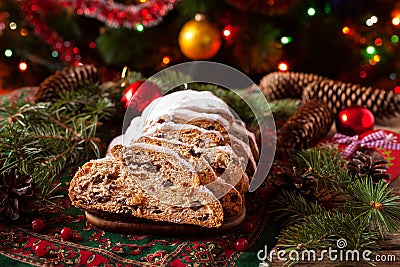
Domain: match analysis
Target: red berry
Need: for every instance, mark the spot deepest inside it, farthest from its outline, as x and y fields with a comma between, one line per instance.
x=242, y=244
x=248, y=227
x=38, y=225
x=66, y=233
x=41, y=249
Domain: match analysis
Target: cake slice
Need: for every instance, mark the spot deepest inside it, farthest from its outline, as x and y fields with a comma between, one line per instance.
x=229, y=197
x=186, y=133
x=106, y=185
x=207, y=121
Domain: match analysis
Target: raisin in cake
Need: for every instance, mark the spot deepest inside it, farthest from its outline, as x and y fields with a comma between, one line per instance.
x=108, y=185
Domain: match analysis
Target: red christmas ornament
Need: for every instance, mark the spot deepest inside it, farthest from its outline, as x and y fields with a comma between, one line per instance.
x=137, y=97
x=66, y=233
x=41, y=249
x=242, y=244
x=38, y=225
x=354, y=121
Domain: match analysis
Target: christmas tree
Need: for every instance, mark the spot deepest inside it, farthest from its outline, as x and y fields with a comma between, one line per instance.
x=354, y=41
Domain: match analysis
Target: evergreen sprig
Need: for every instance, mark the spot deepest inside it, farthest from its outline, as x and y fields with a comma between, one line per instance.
x=41, y=139
x=293, y=207
x=376, y=205
x=368, y=210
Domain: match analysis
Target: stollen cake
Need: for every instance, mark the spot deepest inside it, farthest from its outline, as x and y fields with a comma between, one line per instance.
x=187, y=159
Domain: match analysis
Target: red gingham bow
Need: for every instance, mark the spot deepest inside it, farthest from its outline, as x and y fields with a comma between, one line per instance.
x=376, y=140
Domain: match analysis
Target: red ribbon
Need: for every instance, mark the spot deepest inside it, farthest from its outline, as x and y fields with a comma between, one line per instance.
x=374, y=140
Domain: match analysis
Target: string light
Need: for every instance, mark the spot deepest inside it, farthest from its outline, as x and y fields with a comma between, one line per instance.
x=311, y=11
x=363, y=74
x=227, y=32
x=396, y=21
x=139, y=27
x=23, y=66
x=393, y=76
x=371, y=21
x=370, y=50
x=378, y=41
x=286, y=39
x=397, y=89
x=8, y=53
x=23, y=32
x=92, y=45
x=346, y=30
x=13, y=25
x=166, y=60
x=283, y=66
x=54, y=54
x=394, y=38
x=377, y=58
x=142, y=1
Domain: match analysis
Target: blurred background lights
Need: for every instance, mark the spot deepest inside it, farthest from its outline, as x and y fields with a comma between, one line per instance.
x=394, y=38
x=393, y=76
x=54, y=54
x=371, y=21
x=23, y=66
x=378, y=41
x=311, y=11
x=139, y=27
x=283, y=66
x=23, y=32
x=166, y=60
x=346, y=30
x=396, y=21
x=227, y=31
x=13, y=25
x=286, y=39
x=370, y=50
x=8, y=53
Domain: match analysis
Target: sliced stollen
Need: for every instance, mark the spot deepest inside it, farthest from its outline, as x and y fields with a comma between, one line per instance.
x=227, y=166
x=238, y=129
x=207, y=121
x=243, y=151
x=107, y=185
x=229, y=197
x=186, y=133
x=185, y=151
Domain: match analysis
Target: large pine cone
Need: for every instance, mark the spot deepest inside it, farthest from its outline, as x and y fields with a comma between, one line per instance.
x=307, y=126
x=337, y=95
x=68, y=79
x=280, y=85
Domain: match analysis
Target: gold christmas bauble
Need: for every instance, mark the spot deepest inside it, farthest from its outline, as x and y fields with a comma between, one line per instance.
x=199, y=39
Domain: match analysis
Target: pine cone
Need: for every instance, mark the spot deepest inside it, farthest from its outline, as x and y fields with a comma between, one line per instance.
x=307, y=126
x=339, y=95
x=280, y=85
x=296, y=179
x=14, y=189
x=365, y=165
x=68, y=79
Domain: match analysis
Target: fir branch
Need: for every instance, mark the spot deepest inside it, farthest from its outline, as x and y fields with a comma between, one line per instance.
x=327, y=166
x=375, y=204
x=322, y=230
x=40, y=139
x=293, y=207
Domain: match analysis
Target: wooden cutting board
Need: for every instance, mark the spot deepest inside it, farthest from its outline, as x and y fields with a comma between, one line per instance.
x=143, y=226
